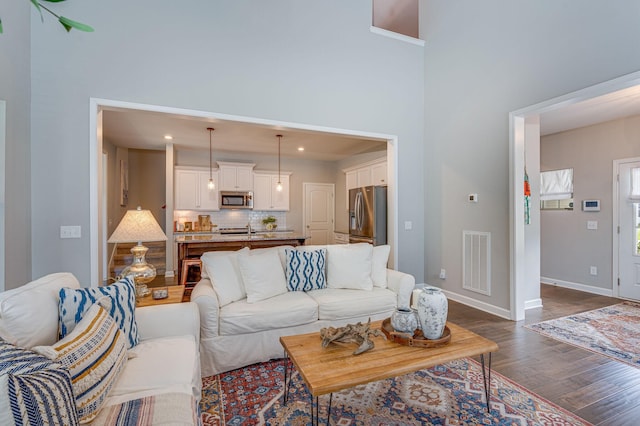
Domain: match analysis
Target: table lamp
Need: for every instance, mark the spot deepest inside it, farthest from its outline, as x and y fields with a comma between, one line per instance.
x=138, y=226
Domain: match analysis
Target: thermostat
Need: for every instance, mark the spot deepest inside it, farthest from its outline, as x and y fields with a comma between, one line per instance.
x=590, y=205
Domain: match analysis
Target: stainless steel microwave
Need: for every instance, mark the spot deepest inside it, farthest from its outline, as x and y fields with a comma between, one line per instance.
x=236, y=199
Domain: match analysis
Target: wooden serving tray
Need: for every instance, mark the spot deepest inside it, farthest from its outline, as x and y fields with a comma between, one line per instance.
x=417, y=339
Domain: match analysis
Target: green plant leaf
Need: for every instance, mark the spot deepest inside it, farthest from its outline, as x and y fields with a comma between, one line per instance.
x=68, y=25
x=0, y=26
x=37, y=6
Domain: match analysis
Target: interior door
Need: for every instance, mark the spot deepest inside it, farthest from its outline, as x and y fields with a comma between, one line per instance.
x=318, y=212
x=629, y=230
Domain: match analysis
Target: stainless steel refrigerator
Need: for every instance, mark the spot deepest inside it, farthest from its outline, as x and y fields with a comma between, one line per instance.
x=368, y=215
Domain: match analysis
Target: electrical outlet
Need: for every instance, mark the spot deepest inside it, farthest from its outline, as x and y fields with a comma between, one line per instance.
x=593, y=270
x=408, y=225
x=443, y=274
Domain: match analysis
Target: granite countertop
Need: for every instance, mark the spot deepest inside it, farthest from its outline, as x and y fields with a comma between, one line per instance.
x=258, y=236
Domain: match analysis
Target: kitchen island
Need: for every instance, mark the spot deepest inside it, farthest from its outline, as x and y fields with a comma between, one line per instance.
x=194, y=245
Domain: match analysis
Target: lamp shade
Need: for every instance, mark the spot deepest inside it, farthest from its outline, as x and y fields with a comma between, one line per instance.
x=137, y=226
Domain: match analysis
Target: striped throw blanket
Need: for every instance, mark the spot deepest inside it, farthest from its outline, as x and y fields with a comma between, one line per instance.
x=169, y=408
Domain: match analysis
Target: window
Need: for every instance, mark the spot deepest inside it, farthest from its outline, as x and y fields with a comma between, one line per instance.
x=398, y=16
x=634, y=197
x=556, y=190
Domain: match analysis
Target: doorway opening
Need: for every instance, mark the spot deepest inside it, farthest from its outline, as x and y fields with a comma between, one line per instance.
x=98, y=106
x=524, y=136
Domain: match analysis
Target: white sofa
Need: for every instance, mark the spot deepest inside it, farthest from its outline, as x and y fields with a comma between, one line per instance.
x=165, y=362
x=242, y=332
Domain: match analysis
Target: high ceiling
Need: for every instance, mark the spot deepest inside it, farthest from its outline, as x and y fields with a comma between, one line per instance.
x=612, y=106
x=146, y=130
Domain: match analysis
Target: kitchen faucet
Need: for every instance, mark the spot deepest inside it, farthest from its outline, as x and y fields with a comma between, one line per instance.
x=249, y=228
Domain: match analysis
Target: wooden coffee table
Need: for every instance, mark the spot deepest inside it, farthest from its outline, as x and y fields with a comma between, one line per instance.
x=334, y=368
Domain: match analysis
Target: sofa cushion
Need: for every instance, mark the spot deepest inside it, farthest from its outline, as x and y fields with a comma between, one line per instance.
x=339, y=304
x=74, y=303
x=262, y=275
x=278, y=249
x=286, y=310
x=380, y=258
x=34, y=390
x=224, y=274
x=30, y=304
x=305, y=271
x=95, y=353
x=349, y=266
x=166, y=364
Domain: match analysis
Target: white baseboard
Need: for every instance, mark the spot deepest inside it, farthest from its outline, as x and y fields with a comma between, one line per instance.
x=577, y=286
x=482, y=306
x=533, y=303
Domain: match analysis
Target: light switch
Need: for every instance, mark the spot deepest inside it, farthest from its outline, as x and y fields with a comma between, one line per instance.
x=408, y=225
x=592, y=224
x=70, y=232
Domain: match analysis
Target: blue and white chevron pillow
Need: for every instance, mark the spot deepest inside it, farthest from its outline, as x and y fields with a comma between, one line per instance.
x=34, y=390
x=306, y=270
x=74, y=303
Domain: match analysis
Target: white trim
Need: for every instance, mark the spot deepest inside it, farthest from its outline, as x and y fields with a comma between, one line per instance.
x=533, y=303
x=3, y=171
x=477, y=304
x=397, y=36
x=98, y=104
x=516, y=176
x=577, y=286
x=95, y=164
x=615, y=223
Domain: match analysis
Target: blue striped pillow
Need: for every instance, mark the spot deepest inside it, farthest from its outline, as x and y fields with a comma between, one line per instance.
x=34, y=390
x=74, y=303
x=306, y=270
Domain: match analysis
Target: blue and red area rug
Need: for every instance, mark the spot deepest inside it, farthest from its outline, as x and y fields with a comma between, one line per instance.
x=613, y=331
x=449, y=394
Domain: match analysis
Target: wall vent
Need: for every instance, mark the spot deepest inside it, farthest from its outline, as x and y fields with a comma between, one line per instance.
x=476, y=261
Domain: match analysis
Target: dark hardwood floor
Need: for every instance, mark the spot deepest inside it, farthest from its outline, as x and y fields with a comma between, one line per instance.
x=596, y=388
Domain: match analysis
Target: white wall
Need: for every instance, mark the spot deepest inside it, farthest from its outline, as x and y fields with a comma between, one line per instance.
x=299, y=61
x=14, y=90
x=483, y=60
x=568, y=248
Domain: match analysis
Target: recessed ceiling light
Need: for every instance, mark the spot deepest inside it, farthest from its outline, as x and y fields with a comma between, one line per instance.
x=168, y=137
x=301, y=148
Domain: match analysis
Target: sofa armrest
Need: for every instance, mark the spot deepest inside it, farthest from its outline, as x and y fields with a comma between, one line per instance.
x=402, y=284
x=175, y=319
x=205, y=297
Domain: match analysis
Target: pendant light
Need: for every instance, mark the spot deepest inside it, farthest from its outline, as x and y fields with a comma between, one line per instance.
x=279, y=184
x=211, y=185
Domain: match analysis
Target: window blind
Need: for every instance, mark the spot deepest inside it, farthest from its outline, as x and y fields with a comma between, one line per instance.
x=556, y=184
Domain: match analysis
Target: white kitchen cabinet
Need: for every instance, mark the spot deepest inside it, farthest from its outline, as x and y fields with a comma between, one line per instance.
x=191, y=189
x=236, y=176
x=379, y=173
x=371, y=173
x=352, y=180
x=266, y=196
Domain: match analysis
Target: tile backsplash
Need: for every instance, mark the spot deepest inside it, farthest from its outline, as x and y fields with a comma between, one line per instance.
x=233, y=218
